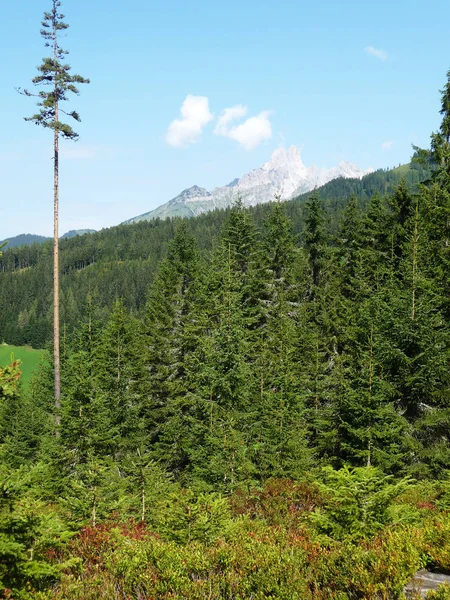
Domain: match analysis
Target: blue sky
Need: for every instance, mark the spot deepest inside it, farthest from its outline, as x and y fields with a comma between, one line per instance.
x=347, y=80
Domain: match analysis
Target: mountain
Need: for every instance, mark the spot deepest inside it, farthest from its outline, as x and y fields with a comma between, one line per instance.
x=382, y=181
x=179, y=206
x=74, y=232
x=27, y=239
x=284, y=174
x=24, y=239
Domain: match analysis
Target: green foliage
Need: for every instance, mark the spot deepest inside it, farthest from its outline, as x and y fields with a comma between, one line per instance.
x=437, y=542
x=147, y=485
x=251, y=561
x=93, y=490
x=356, y=501
x=21, y=424
x=9, y=380
x=184, y=516
x=442, y=593
x=210, y=368
x=29, y=358
x=30, y=530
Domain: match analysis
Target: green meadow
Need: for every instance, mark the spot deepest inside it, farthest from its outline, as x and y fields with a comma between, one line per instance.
x=29, y=357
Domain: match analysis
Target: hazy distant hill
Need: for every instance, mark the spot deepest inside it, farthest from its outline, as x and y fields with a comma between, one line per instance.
x=27, y=239
x=74, y=232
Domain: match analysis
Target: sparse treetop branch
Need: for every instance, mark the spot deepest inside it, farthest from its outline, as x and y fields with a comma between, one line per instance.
x=53, y=72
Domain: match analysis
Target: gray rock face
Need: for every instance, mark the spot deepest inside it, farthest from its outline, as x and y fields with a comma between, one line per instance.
x=284, y=175
x=424, y=582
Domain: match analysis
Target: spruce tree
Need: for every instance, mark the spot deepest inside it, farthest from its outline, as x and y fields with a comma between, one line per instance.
x=349, y=243
x=222, y=369
x=436, y=198
x=402, y=209
x=55, y=74
x=315, y=238
x=439, y=153
x=165, y=340
x=116, y=366
x=278, y=432
x=87, y=428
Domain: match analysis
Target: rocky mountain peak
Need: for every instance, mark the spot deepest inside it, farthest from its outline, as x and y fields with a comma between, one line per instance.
x=283, y=174
x=193, y=192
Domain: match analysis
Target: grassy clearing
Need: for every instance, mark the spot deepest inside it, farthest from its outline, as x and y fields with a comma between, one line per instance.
x=29, y=357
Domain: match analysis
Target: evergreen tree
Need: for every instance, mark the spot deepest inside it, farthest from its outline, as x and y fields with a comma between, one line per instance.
x=402, y=208
x=278, y=430
x=221, y=369
x=55, y=73
x=29, y=531
x=375, y=244
x=439, y=153
x=165, y=342
x=87, y=428
x=349, y=244
x=116, y=371
x=315, y=238
x=414, y=342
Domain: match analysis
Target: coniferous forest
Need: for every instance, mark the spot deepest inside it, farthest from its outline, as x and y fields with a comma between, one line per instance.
x=254, y=403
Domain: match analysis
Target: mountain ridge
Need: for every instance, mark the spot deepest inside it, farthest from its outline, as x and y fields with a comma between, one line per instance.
x=284, y=175
x=27, y=239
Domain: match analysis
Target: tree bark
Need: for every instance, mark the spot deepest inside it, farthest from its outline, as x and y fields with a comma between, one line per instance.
x=56, y=357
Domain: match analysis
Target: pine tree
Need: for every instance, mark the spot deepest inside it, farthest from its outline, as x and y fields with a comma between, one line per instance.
x=164, y=342
x=55, y=73
x=315, y=238
x=436, y=201
x=402, y=209
x=414, y=339
x=278, y=444
x=116, y=372
x=29, y=531
x=221, y=369
x=349, y=243
x=439, y=153
x=87, y=428
x=375, y=245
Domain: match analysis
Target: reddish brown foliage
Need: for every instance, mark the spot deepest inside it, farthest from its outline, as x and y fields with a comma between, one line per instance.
x=92, y=542
x=281, y=501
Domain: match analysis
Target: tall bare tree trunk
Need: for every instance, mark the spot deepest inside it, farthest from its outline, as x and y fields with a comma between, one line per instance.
x=415, y=241
x=54, y=73
x=56, y=359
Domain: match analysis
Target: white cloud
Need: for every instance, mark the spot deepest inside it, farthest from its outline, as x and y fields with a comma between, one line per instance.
x=377, y=52
x=195, y=116
x=228, y=115
x=387, y=145
x=250, y=133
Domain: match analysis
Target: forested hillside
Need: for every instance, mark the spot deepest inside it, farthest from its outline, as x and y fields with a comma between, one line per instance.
x=120, y=262
x=274, y=418
x=255, y=403
x=25, y=239
x=381, y=181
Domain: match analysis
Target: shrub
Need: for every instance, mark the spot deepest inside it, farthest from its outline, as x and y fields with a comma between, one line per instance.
x=356, y=501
